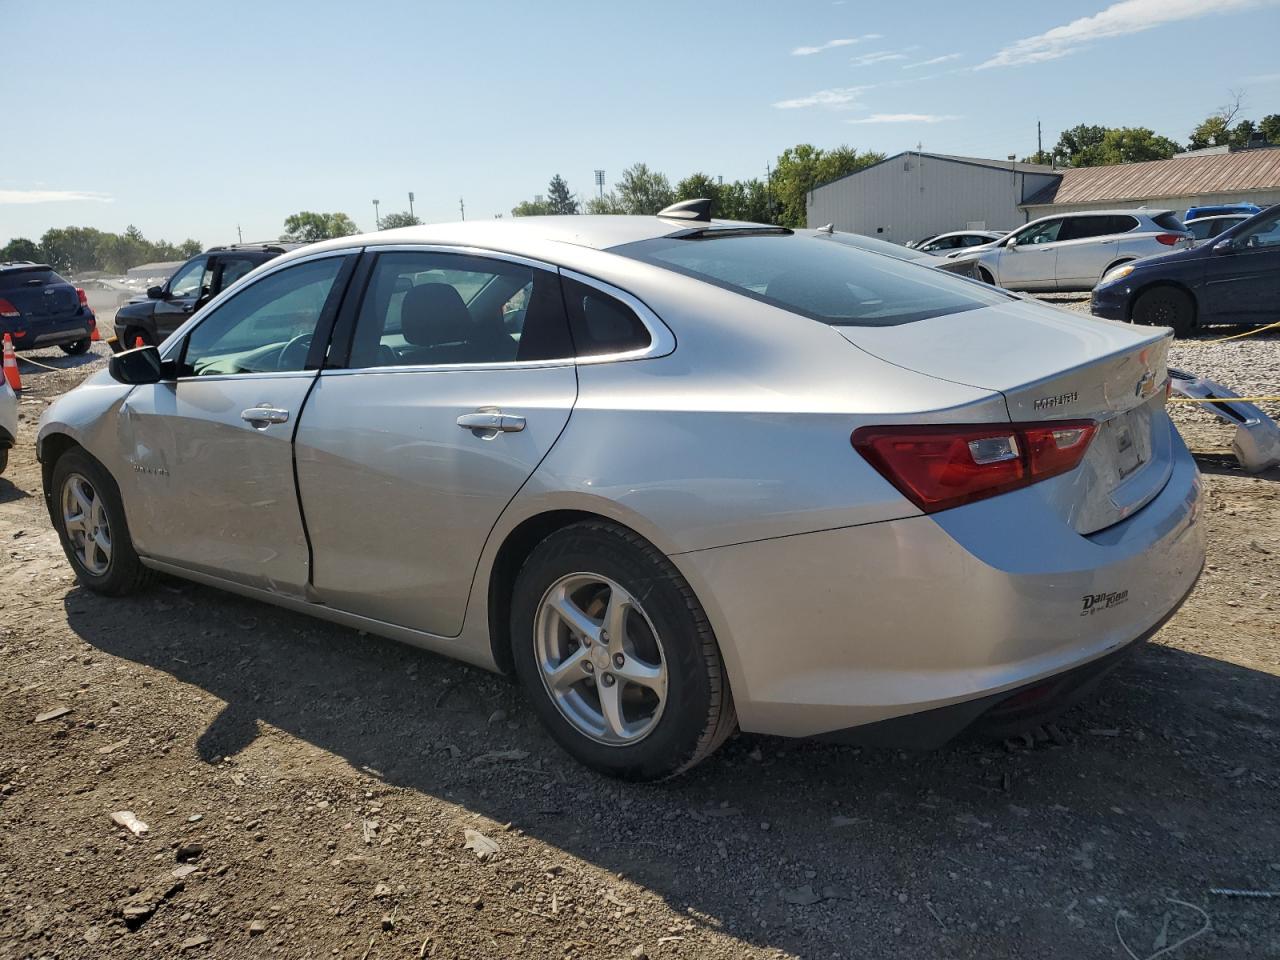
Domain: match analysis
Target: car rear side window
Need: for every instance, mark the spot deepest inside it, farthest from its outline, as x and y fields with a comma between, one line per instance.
x=601, y=324
x=1168, y=221
x=816, y=277
x=428, y=308
x=1203, y=229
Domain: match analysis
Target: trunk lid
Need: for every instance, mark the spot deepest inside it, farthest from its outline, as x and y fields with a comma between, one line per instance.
x=39, y=294
x=1050, y=364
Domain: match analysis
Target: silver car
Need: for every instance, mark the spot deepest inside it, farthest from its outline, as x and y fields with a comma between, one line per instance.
x=8, y=421
x=1206, y=228
x=1072, y=251
x=958, y=241
x=679, y=476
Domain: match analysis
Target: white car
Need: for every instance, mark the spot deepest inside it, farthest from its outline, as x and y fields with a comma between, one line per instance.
x=678, y=475
x=1072, y=251
x=8, y=421
x=958, y=240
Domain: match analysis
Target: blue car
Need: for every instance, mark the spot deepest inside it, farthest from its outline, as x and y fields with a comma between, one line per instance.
x=38, y=308
x=1233, y=278
x=1217, y=209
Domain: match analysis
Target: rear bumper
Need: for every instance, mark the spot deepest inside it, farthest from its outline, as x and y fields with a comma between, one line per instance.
x=34, y=334
x=841, y=628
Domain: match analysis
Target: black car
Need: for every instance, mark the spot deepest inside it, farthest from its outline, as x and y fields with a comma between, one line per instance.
x=1232, y=278
x=38, y=308
x=191, y=286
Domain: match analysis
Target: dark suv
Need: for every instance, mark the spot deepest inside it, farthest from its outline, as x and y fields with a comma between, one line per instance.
x=38, y=308
x=191, y=286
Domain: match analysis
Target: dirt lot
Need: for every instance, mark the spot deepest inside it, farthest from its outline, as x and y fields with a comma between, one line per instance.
x=308, y=790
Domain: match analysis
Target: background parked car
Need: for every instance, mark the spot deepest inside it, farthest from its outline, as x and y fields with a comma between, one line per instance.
x=1216, y=209
x=191, y=286
x=1072, y=251
x=1233, y=278
x=945, y=243
x=1206, y=228
x=39, y=308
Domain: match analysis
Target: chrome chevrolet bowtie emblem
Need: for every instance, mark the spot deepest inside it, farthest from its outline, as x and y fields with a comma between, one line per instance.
x=1146, y=386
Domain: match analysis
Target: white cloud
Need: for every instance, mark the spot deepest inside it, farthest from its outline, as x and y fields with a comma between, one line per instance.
x=906, y=118
x=835, y=97
x=880, y=56
x=50, y=196
x=832, y=44
x=1117, y=20
x=930, y=63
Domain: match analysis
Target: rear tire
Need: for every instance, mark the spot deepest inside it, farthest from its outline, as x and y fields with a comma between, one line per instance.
x=646, y=703
x=1166, y=307
x=77, y=348
x=89, y=517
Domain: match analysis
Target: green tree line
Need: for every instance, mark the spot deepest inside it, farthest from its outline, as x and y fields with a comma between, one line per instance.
x=80, y=249
x=779, y=198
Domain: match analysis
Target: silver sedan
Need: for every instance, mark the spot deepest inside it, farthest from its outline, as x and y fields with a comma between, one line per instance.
x=679, y=476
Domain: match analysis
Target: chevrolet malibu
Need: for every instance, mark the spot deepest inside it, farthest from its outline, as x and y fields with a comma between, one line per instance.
x=680, y=476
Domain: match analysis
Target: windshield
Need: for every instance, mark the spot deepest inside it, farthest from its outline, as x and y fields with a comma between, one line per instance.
x=817, y=277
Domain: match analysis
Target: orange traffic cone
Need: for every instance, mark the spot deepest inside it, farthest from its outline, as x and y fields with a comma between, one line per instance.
x=11, y=365
x=139, y=342
x=94, y=335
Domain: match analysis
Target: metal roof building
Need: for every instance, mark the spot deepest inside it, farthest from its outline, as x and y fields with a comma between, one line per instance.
x=913, y=195
x=1252, y=174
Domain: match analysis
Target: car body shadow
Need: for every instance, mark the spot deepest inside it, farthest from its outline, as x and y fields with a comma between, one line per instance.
x=964, y=851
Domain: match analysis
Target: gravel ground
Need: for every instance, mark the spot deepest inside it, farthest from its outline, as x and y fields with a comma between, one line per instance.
x=310, y=791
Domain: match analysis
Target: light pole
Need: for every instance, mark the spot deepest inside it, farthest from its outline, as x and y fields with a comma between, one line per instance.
x=410, y=203
x=377, y=224
x=600, y=181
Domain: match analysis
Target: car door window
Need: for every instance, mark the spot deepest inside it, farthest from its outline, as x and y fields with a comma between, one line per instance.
x=190, y=278
x=1083, y=228
x=432, y=308
x=1047, y=232
x=267, y=327
x=1203, y=229
x=233, y=268
x=973, y=240
x=1265, y=233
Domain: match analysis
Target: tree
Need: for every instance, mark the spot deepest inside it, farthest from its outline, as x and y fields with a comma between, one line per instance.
x=1210, y=132
x=309, y=227
x=643, y=191
x=189, y=248
x=698, y=186
x=606, y=203
x=531, y=208
x=744, y=200
x=1270, y=127
x=559, y=200
x=801, y=168
x=393, y=220
x=1129, y=145
x=1074, y=143
x=20, y=248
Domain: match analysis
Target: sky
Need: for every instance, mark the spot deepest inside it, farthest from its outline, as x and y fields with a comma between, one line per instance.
x=193, y=120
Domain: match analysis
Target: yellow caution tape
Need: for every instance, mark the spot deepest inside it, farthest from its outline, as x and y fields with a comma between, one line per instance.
x=1223, y=399
x=1234, y=336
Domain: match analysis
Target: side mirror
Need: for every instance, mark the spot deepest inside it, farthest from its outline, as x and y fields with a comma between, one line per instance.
x=1225, y=246
x=155, y=293
x=137, y=366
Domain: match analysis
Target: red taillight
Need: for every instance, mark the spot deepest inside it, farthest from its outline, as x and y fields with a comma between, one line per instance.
x=944, y=466
x=1169, y=239
x=7, y=309
x=84, y=297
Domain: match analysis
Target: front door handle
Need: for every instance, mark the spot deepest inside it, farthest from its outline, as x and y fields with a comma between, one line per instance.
x=264, y=414
x=492, y=420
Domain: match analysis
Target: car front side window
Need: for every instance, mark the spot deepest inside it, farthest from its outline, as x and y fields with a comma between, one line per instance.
x=1044, y=233
x=1264, y=234
x=190, y=279
x=266, y=327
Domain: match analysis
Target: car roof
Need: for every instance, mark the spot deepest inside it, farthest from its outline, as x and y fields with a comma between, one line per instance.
x=23, y=265
x=1241, y=215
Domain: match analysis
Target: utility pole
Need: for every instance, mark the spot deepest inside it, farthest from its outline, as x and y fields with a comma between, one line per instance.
x=462, y=208
x=239, y=233
x=411, y=203
x=377, y=224
x=1039, y=144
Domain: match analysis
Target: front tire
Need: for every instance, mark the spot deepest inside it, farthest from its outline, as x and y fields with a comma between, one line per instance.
x=76, y=348
x=89, y=518
x=1166, y=307
x=616, y=654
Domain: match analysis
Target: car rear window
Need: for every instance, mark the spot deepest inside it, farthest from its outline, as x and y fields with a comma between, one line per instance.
x=28, y=277
x=1168, y=221
x=816, y=277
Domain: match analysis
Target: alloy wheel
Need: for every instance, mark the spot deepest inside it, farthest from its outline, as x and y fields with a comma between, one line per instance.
x=600, y=659
x=84, y=517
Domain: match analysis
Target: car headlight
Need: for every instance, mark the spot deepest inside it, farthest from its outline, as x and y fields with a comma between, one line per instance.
x=1119, y=273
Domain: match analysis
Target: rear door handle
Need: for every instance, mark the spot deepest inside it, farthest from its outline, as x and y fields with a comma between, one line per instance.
x=492, y=420
x=264, y=414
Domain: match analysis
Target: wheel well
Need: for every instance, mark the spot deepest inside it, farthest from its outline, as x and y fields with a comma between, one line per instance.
x=52, y=448
x=1117, y=263
x=1195, y=305
x=506, y=566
